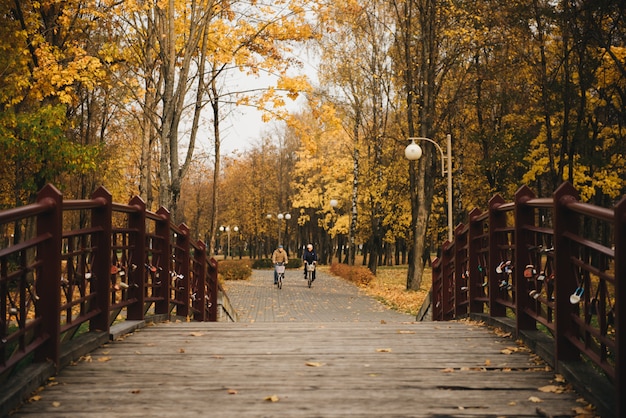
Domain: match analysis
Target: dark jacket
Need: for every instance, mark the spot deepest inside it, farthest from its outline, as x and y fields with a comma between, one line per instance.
x=309, y=256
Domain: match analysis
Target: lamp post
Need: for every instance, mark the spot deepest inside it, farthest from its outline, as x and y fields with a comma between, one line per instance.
x=413, y=152
x=280, y=217
x=227, y=229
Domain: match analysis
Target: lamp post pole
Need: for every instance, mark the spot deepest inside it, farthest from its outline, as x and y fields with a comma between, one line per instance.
x=414, y=152
x=280, y=217
x=227, y=229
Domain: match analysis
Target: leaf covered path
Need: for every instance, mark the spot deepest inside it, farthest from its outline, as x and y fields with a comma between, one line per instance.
x=324, y=354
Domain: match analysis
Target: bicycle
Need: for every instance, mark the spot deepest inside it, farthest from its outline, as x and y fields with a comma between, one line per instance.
x=280, y=274
x=310, y=268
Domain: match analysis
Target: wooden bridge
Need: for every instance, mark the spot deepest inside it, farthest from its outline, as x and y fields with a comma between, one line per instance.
x=298, y=352
x=91, y=271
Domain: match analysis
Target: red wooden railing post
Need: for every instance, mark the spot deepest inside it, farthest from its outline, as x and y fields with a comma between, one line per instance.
x=183, y=261
x=48, y=283
x=620, y=311
x=475, y=275
x=437, y=286
x=497, y=220
x=200, y=280
x=459, y=277
x=213, y=287
x=101, y=268
x=162, y=231
x=565, y=283
x=137, y=241
x=524, y=216
x=448, y=280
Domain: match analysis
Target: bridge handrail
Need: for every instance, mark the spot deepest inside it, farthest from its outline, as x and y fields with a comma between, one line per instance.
x=70, y=268
x=556, y=266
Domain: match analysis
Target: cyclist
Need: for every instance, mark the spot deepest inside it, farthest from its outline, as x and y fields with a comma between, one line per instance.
x=309, y=256
x=279, y=256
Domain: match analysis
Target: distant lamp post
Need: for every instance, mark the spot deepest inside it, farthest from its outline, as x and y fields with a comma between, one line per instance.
x=413, y=152
x=227, y=229
x=280, y=217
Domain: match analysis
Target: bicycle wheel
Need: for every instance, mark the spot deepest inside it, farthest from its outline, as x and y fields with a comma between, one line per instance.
x=280, y=280
x=309, y=277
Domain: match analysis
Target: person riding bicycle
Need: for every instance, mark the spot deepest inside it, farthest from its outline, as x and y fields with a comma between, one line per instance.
x=310, y=257
x=279, y=256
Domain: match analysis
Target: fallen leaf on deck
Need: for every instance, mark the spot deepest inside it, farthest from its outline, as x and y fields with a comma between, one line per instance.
x=313, y=364
x=506, y=351
x=501, y=333
x=383, y=350
x=512, y=403
x=196, y=334
x=559, y=379
x=56, y=404
x=552, y=388
x=232, y=392
x=135, y=391
x=584, y=412
x=34, y=398
x=487, y=362
x=535, y=399
x=448, y=370
x=273, y=398
x=103, y=359
x=182, y=350
x=405, y=332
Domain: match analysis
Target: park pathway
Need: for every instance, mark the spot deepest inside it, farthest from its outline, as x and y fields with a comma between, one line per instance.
x=328, y=351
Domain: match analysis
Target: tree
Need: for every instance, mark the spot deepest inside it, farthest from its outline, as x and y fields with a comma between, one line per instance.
x=48, y=67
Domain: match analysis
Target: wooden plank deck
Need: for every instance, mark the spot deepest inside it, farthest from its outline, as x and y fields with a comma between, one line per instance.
x=378, y=365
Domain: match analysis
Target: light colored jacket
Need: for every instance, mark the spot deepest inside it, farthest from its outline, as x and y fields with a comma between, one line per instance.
x=280, y=256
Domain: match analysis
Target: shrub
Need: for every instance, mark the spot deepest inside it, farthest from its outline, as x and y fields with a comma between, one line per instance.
x=266, y=263
x=234, y=269
x=294, y=263
x=356, y=274
x=262, y=263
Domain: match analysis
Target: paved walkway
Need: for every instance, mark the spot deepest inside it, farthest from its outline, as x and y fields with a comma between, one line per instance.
x=328, y=300
x=328, y=351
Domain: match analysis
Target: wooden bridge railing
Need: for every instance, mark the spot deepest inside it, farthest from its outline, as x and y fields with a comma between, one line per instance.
x=554, y=268
x=70, y=269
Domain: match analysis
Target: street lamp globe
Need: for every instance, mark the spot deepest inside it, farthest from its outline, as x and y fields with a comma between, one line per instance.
x=333, y=203
x=287, y=216
x=413, y=151
x=280, y=216
x=236, y=229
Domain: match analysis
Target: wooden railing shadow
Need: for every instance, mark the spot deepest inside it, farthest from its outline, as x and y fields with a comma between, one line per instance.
x=76, y=273
x=550, y=271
